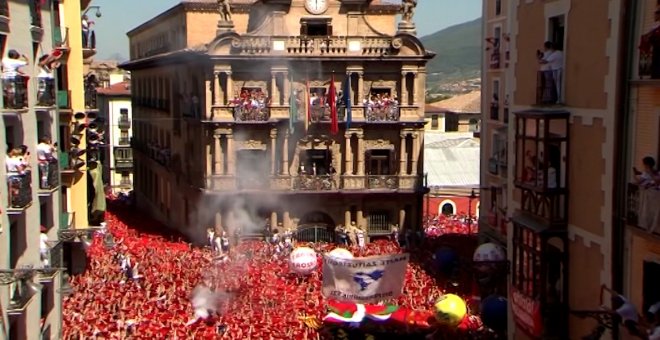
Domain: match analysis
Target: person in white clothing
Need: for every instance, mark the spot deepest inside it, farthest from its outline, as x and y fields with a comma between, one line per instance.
x=43, y=247
x=11, y=66
x=14, y=79
x=554, y=59
x=360, y=238
x=654, y=319
x=45, y=157
x=625, y=312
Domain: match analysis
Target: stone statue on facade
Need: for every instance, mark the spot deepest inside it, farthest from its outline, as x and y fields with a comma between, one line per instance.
x=224, y=10
x=408, y=10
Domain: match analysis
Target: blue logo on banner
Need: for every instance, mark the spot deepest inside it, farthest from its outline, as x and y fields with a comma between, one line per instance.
x=365, y=279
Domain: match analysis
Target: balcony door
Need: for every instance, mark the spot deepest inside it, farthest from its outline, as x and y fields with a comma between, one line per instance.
x=317, y=162
x=253, y=168
x=650, y=292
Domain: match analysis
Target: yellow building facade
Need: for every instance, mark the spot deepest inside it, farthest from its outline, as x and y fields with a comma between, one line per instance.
x=557, y=155
x=220, y=135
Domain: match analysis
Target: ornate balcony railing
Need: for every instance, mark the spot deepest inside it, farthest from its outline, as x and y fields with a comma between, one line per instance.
x=246, y=113
x=124, y=141
x=643, y=208
x=382, y=113
x=302, y=45
x=46, y=92
x=315, y=183
x=15, y=93
x=49, y=175
x=389, y=182
x=123, y=163
x=20, y=190
x=54, y=254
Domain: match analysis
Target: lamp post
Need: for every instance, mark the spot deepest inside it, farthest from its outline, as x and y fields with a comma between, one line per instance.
x=472, y=196
x=96, y=8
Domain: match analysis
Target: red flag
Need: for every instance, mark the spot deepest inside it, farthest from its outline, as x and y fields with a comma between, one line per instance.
x=332, y=101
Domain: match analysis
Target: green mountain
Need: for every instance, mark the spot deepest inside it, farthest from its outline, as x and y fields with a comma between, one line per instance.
x=458, y=52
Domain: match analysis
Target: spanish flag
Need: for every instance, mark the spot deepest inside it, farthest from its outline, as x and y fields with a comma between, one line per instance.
x=332, y=101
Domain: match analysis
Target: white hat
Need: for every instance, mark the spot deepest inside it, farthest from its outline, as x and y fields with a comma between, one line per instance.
x=654, y=308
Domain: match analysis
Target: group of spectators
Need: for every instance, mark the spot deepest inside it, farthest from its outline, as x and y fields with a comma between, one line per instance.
x=251, y=105
x=381, y=106
x=437, y=225
x=264, y=300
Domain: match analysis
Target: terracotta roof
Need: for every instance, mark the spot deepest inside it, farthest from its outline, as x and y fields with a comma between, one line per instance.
x=464, y=103
x=119, y=89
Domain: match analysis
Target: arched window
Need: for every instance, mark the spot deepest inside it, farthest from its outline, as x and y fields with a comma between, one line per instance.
x=447, y=207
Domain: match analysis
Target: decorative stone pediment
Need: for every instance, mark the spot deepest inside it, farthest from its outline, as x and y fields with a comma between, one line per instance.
x=378, y=144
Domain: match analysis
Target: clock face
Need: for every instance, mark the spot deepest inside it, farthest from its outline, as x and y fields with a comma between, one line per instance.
x=316, y=6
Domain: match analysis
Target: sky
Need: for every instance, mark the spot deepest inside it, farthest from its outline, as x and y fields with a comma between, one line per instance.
x=120, y=16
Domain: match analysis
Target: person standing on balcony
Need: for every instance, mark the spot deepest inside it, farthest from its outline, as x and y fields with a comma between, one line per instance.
x=43, y=247
x=648, y=177
x=86, y=29
x=45, y=94
x=12, y=76
x=554, y=59
x=45, y=156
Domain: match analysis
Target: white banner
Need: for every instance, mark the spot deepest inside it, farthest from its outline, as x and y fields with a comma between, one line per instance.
x=364, y=279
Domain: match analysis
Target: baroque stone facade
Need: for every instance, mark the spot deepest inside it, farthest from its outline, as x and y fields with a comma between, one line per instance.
x=238, y=121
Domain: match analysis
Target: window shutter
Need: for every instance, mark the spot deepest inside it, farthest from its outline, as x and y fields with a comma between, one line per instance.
x=392, y=165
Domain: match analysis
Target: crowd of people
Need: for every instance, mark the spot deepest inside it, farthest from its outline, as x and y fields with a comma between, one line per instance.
x=381, y=106
x=251, y=105
x=442, y=224
x=150, y=278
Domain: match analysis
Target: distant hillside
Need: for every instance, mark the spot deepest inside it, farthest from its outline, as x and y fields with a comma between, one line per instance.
x=458, y=52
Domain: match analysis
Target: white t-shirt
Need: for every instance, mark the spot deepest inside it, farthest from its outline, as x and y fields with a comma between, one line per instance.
x=545, y=67
x=14, y=165
x=654, y=333
x=45, y=74
x=555, y=59
x=44, y=152
x=10, y=67
x=627, y=311
x=43, y=242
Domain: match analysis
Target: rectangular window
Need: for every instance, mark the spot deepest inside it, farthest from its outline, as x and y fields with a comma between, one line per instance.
x=316, y=27
x=434, y=122
x=526, y=261
x=380, y=162
x=451, y=122
x=498, y=7
x=316, y=162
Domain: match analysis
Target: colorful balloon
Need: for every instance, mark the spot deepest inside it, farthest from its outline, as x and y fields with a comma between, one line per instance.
x=341, y=253
x=489, y=252
x=494, y=313
x=450, y=310
x=303, y=261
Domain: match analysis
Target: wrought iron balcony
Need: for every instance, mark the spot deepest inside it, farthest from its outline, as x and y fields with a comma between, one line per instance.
x=124, y=123
x=548, y=92
x=90, y=96
x=49, y=175
x=382, y=112
x=318, y=183
x=46, y=92
x=643, y=208
x=247, y=113
x=123, y=163
x=20, y=190
x=124, y=141
x=53, y=258
x=15, y=93
x=305, y=45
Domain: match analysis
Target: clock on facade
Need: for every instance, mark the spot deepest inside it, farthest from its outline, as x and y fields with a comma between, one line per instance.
x=316, y=6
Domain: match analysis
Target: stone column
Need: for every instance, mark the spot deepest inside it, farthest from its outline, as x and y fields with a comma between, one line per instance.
x=347, y=217
x=360, y=221
x=402, y=218
x=348, y=160
x=287, y=87
x=360, y=88
x=218, y=222
x=415, y=151
x=286, y=220
x=360, y=156
x=217, y=151
x=209, y=157
x=403, y=156
x=285, y=154
x=217, y=90
x=274, y=93
x=230, y=88
x=273, y=141
x=231, y=161
x=273, y=220
x=415, y=88
x=404, y=89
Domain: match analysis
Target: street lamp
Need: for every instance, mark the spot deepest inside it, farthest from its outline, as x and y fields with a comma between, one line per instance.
x=97, y=8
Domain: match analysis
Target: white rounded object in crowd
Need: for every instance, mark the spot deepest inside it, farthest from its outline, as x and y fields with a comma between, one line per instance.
x=302, y=261
x=489, y=252
x=341, y=253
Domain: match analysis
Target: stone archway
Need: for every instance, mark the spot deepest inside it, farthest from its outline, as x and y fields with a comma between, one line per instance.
x=318, y=218
x=316, y=226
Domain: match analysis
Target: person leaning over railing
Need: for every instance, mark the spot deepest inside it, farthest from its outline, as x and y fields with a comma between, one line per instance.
x=12, y=75
x=45, y=156
x=15, y=171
